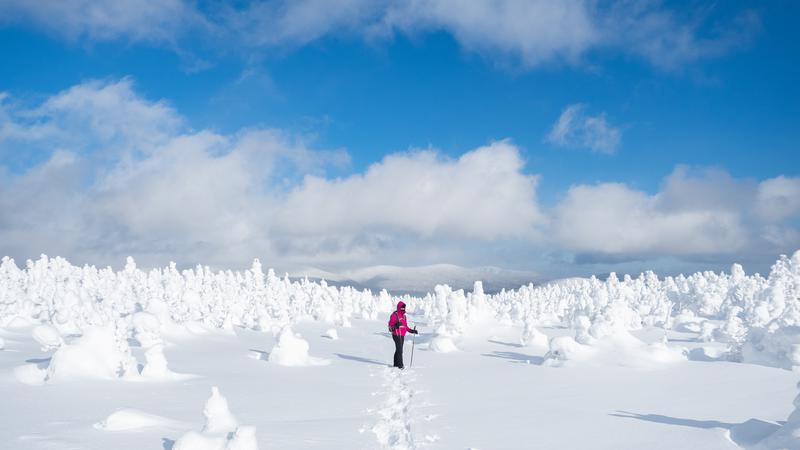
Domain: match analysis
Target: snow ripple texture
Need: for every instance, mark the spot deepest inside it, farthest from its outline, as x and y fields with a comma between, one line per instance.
x=393, y=430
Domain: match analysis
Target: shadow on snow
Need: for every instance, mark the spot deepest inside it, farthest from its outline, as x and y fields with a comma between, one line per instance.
x=516, y=357
x=743, y=434
x=360, y=359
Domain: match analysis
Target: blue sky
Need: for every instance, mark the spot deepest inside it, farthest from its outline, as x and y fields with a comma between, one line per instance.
x=678, y=145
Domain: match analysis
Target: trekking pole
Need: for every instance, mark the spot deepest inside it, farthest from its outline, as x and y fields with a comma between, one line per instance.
x=413, y=341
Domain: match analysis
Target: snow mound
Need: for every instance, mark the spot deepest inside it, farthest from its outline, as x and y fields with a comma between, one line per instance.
x=243, y=439
x=48, y=337
x=156, y=365
x=221, y=430
x=532, y=336
x=620, y=348
x=132, y=420
x=331, y=334
x=292, y=350
x=708, y=353
x=442, y=344
x=218, y=417
x=95, y=355
x=192, y=440
x=156, y=368
x=566, y=348
x=30, y=374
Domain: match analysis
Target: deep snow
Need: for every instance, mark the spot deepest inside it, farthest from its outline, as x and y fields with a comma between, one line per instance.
x=493, y=394
x=167, y=360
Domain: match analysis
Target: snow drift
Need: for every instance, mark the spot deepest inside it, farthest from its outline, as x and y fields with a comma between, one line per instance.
x=133, y=420
x=292, y=350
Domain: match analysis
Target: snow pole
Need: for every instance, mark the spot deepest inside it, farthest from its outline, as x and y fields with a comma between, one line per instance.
x=413, y=341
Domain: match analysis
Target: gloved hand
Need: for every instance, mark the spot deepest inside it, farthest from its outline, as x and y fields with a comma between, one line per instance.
x=412, y=331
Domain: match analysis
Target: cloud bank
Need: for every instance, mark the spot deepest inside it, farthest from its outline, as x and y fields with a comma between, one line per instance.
x=701, y=213
x=124, y=175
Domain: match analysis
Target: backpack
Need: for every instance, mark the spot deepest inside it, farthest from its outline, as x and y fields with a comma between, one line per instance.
x=396, y=324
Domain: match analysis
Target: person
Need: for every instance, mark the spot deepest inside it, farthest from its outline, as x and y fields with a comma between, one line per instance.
x=398, y=326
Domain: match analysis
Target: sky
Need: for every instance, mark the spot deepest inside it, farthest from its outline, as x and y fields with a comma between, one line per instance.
x=550, y=138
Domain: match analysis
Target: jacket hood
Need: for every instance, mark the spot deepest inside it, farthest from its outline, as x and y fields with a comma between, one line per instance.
x=400, y=305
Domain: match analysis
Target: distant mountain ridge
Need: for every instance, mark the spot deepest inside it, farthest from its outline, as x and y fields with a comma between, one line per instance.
x=418, y=280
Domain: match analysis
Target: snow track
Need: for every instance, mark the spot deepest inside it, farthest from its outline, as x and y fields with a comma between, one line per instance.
x=393, y=430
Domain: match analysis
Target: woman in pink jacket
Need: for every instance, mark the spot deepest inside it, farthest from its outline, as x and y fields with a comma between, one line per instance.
x=399, y=327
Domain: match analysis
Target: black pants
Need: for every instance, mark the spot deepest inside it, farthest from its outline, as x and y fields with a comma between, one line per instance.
x=398, y=350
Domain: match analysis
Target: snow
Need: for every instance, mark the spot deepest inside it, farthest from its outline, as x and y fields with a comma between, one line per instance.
x=155, y=367
x=221, y=430
x=331, y=334
x=93, y=355
x=48, y=337
x=707, y=360
x=30, y=374
x=531, y=336
x=442, y=344
x=133, y=420
x=192, y=440
x=566, y=348
x=292, y=350
x=788, y=435
x=218, y=417
x=146, y=329
x=243, y=439
x=393, y=430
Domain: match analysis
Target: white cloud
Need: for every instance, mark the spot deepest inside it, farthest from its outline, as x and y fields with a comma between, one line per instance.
x=222, y=199
x=710, y=213
x=529, y=33
x=778, y=198
x=668, y=39
x=532, y=31
x=92, y=116
x=611, y=218
x=299, y=22
x=541, y=31
x=201, y=196
x=111, y=114
x=483, y=194
x=576, y=129
x=139, y=20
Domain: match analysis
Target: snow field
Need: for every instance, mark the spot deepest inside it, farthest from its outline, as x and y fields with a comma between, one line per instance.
x=493, y=393
x=629, y=337
x=759, y=316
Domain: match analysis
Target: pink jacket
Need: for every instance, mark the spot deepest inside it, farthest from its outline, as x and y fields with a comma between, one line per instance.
x=398, y=316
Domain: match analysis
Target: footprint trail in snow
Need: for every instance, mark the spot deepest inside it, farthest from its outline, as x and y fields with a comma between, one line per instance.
x=393, y=430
